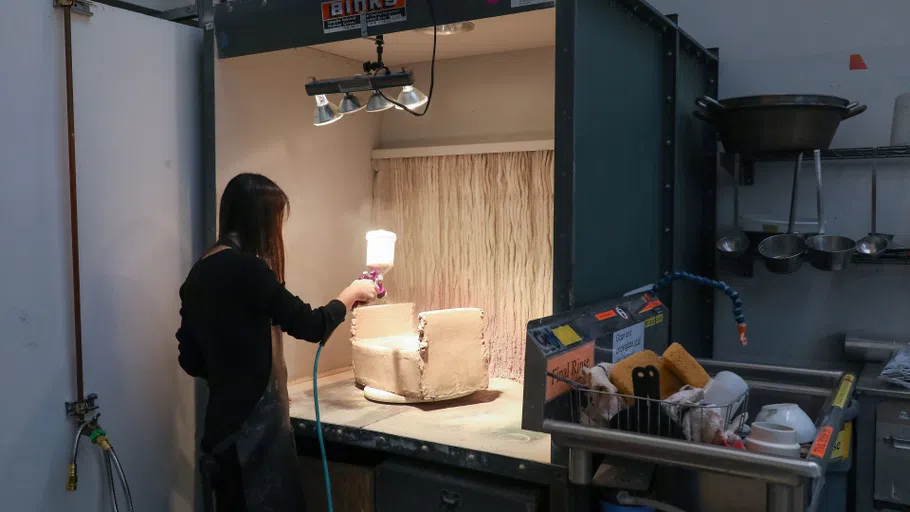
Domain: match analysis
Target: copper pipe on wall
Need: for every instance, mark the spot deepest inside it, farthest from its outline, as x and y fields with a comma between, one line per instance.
x=74, y=218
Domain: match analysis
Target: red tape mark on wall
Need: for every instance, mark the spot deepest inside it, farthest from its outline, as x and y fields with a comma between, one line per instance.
x=857, y=62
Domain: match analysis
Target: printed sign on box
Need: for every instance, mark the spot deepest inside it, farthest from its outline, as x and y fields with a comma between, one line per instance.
x=628, y=341
x=568, y=365
x=342, y=15
x=525, y=3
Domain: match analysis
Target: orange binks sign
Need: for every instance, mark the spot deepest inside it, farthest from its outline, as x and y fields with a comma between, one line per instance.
x=343, y=15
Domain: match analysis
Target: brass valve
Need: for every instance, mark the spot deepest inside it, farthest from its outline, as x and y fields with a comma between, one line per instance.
x=102, y=441
x=71, y=479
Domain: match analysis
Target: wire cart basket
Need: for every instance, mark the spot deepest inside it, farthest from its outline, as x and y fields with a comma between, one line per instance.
x=693, y=420
x=681, y=435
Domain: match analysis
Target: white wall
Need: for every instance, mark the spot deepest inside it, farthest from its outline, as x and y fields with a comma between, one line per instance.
x=265, y=125
x=498, y=97
x=785, y=47
x=137, y=143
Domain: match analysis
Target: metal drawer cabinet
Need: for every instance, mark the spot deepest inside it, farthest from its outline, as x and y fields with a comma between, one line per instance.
x=409, y=486
x=892, y=453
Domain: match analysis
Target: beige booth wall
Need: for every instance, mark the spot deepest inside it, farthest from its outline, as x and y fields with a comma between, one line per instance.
x=499, y=97
x=475, y=230
x=264, y=124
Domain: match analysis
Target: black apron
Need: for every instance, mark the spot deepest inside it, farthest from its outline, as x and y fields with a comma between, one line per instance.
x=255, y=469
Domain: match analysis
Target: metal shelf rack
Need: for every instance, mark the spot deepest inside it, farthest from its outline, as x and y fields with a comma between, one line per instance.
x=745, y=264
x=748, y=163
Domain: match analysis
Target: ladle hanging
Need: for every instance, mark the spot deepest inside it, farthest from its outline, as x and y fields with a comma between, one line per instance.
x=873, y=244
x=783, y=253
x=735, y=244
x=827, y=252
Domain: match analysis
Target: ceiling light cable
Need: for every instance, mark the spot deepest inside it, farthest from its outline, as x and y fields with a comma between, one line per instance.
x=426, y=107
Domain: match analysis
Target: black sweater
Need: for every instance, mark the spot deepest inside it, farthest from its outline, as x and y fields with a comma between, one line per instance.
x=229, y=302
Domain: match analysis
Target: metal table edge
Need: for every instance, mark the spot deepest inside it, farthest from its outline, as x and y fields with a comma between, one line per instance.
x=464, y=458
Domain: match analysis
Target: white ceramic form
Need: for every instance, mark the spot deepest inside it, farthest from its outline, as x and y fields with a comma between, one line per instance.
x=773, y=439
x=792, y=416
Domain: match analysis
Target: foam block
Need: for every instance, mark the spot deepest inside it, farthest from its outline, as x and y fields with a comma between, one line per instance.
x=685, y=366
x=445, y=356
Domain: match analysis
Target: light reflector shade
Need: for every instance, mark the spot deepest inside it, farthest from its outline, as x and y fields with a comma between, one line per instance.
x=381, y=249
x=378, y=103
x=411, y=97
x=349, y=104
x=325, y=112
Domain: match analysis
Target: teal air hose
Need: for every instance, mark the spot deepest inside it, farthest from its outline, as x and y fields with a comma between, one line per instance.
x=325, y=460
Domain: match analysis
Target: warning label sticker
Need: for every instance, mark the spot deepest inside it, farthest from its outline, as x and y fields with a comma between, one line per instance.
x=342, y=15
x=524, y=3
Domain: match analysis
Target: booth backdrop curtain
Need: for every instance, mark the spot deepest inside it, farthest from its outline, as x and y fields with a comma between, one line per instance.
x=473, y=231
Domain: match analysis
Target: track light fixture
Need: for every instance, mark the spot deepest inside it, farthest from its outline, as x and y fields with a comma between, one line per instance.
x=411, y=98
x=326, y=112
x=376, y=78
x=378, y=102
x=349, y=104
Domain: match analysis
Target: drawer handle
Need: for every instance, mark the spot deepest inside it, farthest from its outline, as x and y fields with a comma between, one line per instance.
x=900, y=444
x=449, y=500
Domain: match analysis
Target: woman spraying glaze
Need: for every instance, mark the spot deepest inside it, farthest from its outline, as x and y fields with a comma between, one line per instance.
x=234, y=307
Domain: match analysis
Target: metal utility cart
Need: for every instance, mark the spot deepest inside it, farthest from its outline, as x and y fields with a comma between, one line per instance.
x=790, y=484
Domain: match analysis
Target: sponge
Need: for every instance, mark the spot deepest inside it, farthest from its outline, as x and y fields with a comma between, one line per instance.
x=669, y=382
x=621, y=373
x=685, y=366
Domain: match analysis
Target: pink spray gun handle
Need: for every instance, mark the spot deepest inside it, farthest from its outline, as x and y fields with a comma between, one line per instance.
x=376, y=277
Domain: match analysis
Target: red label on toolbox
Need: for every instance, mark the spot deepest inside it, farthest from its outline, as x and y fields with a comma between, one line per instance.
x=342, y=15
x=822, y=440
x=605, y=315
x=651, y=305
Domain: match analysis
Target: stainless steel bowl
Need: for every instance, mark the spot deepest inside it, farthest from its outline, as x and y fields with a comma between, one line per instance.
x=830, y=252
x=783, y=253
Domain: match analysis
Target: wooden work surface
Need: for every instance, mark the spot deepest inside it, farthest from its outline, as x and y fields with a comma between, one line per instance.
x=487, y=421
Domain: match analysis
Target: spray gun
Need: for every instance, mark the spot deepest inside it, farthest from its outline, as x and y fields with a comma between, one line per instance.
x=380, y=258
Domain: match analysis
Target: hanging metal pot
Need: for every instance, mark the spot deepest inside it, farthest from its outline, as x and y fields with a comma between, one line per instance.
x=736, y=243
x=874, y=244
x=827, y=252
x=776, y=123
x=783, y=254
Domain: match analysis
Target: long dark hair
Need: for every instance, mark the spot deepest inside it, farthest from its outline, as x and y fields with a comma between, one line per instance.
x=253, y=210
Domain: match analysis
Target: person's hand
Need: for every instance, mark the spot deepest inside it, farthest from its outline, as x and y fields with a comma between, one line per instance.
x=361, y=290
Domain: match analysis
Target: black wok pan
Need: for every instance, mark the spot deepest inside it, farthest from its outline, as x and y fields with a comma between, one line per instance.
x=776, y=123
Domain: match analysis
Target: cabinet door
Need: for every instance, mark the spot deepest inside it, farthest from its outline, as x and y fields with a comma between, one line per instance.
x=136, y=90
x=892, y=453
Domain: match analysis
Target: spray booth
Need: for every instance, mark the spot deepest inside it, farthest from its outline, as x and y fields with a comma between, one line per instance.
x=557, y=165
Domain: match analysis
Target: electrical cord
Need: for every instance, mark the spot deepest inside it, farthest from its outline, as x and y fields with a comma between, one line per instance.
x=325, y=460
x=426, y=107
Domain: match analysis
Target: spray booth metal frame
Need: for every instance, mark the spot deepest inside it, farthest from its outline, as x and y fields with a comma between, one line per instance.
x=634, y=177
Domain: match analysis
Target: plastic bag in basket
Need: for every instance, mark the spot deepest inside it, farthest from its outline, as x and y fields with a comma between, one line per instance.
x=897, y=371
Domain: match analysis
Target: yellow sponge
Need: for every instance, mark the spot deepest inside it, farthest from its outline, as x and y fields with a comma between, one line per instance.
x=685, y=366
x=669, y=382
x=621, y=374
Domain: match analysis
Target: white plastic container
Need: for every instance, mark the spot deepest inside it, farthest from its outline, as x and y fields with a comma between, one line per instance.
x=773, y=439
x=900, y=123
x=791, y=416
x=381, y=249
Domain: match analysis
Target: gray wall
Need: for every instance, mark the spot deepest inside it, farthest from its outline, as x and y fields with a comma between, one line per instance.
x=136, y=92
x=784, y=47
